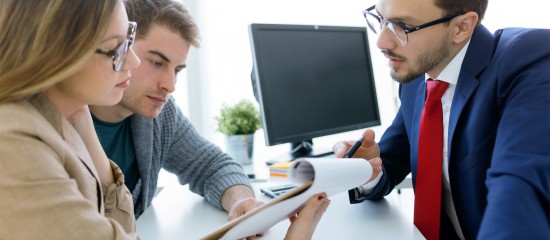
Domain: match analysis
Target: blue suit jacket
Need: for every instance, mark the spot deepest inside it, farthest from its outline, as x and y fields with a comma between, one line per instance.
x=499, y=137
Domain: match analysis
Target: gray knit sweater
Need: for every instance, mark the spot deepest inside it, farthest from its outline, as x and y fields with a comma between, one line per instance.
x=171, y=142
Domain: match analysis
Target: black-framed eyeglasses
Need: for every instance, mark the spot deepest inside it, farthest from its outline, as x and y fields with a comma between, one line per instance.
x=400, y=31
x=120, y=52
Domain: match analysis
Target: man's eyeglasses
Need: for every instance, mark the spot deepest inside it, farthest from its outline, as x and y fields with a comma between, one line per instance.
x=400, y=31
x=120, y=52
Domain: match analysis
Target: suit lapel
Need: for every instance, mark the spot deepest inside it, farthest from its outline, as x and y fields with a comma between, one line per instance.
x=65, y=130
x=75, y=141
x=477, y=58
x=71, y=137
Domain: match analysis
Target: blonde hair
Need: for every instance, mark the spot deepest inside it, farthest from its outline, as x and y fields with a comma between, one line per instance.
x=42, y=42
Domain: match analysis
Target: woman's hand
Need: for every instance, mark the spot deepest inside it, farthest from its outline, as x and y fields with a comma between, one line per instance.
x=304, y=223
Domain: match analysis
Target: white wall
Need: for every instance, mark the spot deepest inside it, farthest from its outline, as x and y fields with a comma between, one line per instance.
x=219, y=71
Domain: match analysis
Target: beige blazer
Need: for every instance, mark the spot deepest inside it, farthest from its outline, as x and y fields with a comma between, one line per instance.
x=49, y=187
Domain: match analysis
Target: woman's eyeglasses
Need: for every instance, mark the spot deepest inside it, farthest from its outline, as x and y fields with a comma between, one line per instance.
x=120, y=52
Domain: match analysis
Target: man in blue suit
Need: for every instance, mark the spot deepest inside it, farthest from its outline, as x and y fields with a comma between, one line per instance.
x=495, y=162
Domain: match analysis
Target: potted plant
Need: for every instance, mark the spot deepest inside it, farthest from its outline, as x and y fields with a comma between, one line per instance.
x=239, y=122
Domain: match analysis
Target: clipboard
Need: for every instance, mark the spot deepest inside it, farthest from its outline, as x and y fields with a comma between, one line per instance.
x=311, y=176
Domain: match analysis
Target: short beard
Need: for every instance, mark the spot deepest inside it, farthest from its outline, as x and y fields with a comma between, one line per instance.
x=426, y=62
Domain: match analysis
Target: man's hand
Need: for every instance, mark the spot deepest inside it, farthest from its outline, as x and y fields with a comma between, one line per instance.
x=238, y=200
x=368, y=150
x=243, y=206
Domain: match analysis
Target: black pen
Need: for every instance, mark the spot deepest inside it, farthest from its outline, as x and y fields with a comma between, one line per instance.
x=354, y=148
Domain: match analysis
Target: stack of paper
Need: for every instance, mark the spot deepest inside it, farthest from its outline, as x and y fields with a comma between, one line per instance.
x=279, y=169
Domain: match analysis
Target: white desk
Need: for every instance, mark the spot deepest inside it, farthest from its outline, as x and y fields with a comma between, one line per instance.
x=177, y=213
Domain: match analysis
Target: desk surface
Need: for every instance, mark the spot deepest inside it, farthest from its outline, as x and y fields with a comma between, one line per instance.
x=177, y=213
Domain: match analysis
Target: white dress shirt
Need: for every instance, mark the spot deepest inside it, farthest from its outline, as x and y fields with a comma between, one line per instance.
x=449, y=74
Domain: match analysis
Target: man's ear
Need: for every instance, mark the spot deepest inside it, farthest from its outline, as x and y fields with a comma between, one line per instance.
x=464, y=26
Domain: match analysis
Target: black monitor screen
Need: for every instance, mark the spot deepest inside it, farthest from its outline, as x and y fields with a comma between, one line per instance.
x=312, y=81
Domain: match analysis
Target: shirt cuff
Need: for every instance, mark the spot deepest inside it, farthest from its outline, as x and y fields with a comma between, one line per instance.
x=367, y=188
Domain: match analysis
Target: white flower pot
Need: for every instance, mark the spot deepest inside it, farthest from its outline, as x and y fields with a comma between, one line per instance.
x=240, y=147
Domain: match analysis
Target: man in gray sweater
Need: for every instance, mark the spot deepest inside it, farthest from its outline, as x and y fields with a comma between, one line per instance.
x=146, y=131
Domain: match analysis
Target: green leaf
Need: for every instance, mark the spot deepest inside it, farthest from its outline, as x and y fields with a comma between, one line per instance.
x=241, y=118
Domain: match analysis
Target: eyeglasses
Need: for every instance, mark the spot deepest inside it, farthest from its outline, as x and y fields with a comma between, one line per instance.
x=400, y=31
x=120, y=52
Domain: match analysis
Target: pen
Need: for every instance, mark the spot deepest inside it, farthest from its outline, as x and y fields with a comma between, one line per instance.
x=354, y=148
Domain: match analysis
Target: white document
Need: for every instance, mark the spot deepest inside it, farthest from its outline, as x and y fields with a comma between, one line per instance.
x=312, y=176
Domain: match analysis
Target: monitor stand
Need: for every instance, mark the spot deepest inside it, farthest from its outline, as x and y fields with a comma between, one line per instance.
x=300, y=150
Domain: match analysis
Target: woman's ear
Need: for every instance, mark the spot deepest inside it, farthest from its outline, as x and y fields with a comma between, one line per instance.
x=464, y=26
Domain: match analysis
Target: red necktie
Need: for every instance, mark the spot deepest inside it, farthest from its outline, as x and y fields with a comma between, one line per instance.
x=427, y=202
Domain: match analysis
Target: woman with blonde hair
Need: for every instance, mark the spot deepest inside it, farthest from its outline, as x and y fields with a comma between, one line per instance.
x=56, y=57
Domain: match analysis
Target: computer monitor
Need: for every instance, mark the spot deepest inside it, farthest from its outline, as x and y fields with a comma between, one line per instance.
x=312, y=81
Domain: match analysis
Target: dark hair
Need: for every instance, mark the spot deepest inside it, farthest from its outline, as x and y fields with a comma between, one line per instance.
x=457, y=6
x=167, y=13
